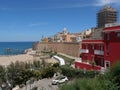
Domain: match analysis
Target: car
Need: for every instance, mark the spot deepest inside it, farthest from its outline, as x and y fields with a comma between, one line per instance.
x=59, y=80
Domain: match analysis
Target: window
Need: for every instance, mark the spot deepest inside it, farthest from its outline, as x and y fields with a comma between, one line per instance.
x=93, y=46
x=101, y=47
x=86, y=46
x=107, y=64
x=108, y=37
x=118, y=34
x=102, y=34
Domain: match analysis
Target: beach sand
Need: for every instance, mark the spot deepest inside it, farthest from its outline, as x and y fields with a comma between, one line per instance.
x=6, y=60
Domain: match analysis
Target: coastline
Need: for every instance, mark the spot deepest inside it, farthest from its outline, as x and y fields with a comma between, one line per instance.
x=6, y=60
x=28, y=56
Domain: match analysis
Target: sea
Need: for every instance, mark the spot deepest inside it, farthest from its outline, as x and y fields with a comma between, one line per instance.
x=14, y=48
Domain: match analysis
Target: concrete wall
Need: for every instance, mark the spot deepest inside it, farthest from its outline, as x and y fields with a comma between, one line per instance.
x=72, y=49
x=97, y=33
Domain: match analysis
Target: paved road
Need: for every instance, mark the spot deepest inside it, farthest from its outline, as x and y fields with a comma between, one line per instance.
x=44, y=84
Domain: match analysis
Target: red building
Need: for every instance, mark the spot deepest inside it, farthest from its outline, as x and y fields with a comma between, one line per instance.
x=104, y=52
x=111, y=45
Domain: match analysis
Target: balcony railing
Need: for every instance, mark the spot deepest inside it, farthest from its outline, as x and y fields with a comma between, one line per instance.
x=84, y=51
x=98, y=52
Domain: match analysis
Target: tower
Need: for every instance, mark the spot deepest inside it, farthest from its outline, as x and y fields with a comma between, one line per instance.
x=106, y=15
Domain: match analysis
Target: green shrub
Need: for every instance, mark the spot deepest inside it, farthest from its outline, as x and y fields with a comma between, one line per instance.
x=89, y=84
x=115, y=72
x=56, y=65
x=77, y=73
x=2, y=74
x=48, y=72
x=67, y=71
x=37, y=74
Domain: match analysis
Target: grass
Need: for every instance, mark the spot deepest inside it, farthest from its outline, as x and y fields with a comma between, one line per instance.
x=68, y=61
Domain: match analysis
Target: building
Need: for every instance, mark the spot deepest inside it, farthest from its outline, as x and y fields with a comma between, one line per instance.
x=103, y=48
x=44, y=40
x=106, y=15
x=111, y=44
x=63, y=36
x=104, y=52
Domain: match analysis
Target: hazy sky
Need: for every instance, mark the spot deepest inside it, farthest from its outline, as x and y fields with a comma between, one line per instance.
x=28, y=20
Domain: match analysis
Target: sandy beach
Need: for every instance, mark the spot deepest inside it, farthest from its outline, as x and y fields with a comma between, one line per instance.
x=6, y=60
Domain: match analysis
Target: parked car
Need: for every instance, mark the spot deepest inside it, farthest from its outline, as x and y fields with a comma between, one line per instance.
x=59, y=80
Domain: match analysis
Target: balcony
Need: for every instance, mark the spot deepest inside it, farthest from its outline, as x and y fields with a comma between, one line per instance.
x=98, y=52
x=84, y=51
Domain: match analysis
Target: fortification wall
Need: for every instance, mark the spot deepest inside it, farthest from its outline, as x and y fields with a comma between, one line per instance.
x=72, y=49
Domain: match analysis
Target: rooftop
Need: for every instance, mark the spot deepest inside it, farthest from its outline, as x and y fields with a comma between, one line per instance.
x=107, y=8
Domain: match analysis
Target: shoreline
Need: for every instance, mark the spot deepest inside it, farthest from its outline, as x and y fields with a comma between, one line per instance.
x=11, y=55
x=28, y=56
x=6, y=60
x=25, y=51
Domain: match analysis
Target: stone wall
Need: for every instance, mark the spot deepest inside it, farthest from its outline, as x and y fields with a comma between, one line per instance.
x=34, y=45
x=72, y=49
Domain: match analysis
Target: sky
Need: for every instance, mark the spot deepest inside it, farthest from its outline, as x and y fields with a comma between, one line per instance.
x=29, y=20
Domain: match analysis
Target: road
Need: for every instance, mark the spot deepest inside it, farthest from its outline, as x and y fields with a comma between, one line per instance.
x=44, y=84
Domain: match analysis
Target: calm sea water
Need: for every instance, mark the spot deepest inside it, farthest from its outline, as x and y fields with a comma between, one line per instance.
x=14, y=47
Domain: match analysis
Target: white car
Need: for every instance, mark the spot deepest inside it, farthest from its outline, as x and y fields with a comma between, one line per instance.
x=59, y=80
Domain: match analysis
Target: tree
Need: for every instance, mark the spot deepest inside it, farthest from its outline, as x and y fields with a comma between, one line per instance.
x=48, y=72
x=37, y=74
x=2, y=74
x=115, y=72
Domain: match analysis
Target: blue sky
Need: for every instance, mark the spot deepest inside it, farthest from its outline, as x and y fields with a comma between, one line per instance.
x=28, y=20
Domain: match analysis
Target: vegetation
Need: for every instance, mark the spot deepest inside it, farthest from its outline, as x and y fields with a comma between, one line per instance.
x=115, y=73
x=109, y=81
x=50, y=53
x=90, y=84
x=2, y=74
x=20, y=73
x=68, y=61
x=77, y=73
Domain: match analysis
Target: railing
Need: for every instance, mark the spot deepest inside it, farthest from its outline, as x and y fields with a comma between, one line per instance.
x=98, y=52
x=84, y=51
